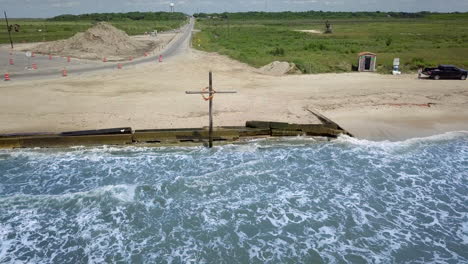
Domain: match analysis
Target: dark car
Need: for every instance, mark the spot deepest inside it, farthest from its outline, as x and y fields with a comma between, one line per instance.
x=445, y=72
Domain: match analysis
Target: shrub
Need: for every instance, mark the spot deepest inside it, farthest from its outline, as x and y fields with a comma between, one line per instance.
x=301, y=67
x=343, y=66
x=309, y=46
x=416, y=63
x=388, y=41
x=278, y=51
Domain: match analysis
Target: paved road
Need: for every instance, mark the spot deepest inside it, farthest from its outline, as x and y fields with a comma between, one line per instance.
x=52, y=68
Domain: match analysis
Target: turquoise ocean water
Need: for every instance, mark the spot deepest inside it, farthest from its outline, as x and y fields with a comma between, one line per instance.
x=288, y=201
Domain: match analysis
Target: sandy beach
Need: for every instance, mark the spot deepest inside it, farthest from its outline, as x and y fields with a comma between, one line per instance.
x=371, y=106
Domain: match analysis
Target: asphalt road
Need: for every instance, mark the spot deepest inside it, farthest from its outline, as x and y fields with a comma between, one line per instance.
x=46, y=68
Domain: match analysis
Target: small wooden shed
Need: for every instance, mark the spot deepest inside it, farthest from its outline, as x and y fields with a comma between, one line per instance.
x=367, y=61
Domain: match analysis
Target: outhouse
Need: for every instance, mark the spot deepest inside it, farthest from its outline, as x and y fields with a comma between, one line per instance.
x=367, y=61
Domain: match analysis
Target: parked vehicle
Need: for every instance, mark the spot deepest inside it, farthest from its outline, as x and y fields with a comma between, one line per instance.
x=446, y=72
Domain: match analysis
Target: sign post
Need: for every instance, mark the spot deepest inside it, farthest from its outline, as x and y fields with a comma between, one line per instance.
x=396, y=66
x=28, y=55
x=210, y=92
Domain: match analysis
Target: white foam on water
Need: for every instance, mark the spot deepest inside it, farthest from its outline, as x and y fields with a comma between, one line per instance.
x=123, y=193
x=327, y=236
x=255, y=202
x=391, y=145
x=91, y=153
x=6, y=243
x=36, y=227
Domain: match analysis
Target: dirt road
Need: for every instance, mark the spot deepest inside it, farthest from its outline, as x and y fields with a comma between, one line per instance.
x=48, y=68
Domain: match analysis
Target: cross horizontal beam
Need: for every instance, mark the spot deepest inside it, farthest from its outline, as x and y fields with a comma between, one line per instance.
x=207, y=92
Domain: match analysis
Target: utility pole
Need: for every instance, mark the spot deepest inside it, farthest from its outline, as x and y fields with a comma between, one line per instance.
x=211, y=94
x=8, y=29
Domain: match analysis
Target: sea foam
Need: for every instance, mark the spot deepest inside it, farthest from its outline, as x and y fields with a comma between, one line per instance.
x=297, y=201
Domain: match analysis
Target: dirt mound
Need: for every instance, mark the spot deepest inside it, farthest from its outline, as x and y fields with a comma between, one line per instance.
x=280, y=68
x=102, y=40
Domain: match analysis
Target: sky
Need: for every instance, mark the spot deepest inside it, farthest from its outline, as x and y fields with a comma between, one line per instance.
x=50, y=8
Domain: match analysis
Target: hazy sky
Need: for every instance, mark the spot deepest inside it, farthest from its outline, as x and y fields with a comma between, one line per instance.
x=48, y=8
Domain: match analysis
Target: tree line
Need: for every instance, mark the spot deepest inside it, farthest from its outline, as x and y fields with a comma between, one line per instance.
x=314, y=15
x=122, y=16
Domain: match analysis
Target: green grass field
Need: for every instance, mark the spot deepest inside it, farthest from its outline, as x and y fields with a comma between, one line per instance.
x=34, y=30
x=437, y=39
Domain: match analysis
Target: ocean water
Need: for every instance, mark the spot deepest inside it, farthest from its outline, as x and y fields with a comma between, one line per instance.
x=285, y=201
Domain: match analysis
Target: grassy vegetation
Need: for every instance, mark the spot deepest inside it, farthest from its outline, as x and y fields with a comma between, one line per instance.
x=33, y=30
x=426, y=41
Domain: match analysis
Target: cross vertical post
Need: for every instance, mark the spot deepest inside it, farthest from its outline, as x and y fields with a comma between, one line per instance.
x=210, y=89
x=210, y=92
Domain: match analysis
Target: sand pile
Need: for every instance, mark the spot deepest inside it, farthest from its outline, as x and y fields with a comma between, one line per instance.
x=102, y=40
x=280, y=68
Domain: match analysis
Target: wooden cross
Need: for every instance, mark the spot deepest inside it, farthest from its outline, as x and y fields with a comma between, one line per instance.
x=210, y=94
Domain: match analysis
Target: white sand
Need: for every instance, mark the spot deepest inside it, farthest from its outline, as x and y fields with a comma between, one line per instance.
x=369, y=105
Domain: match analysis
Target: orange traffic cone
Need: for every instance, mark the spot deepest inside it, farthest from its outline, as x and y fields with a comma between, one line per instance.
x=160, y=58
x=119, y=66
x=7, y=77
x=12, y=62
x=64, y=72
x=34, y=66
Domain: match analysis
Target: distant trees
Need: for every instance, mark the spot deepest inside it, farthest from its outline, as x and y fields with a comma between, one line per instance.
x=312, y=15
x=122, y=16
